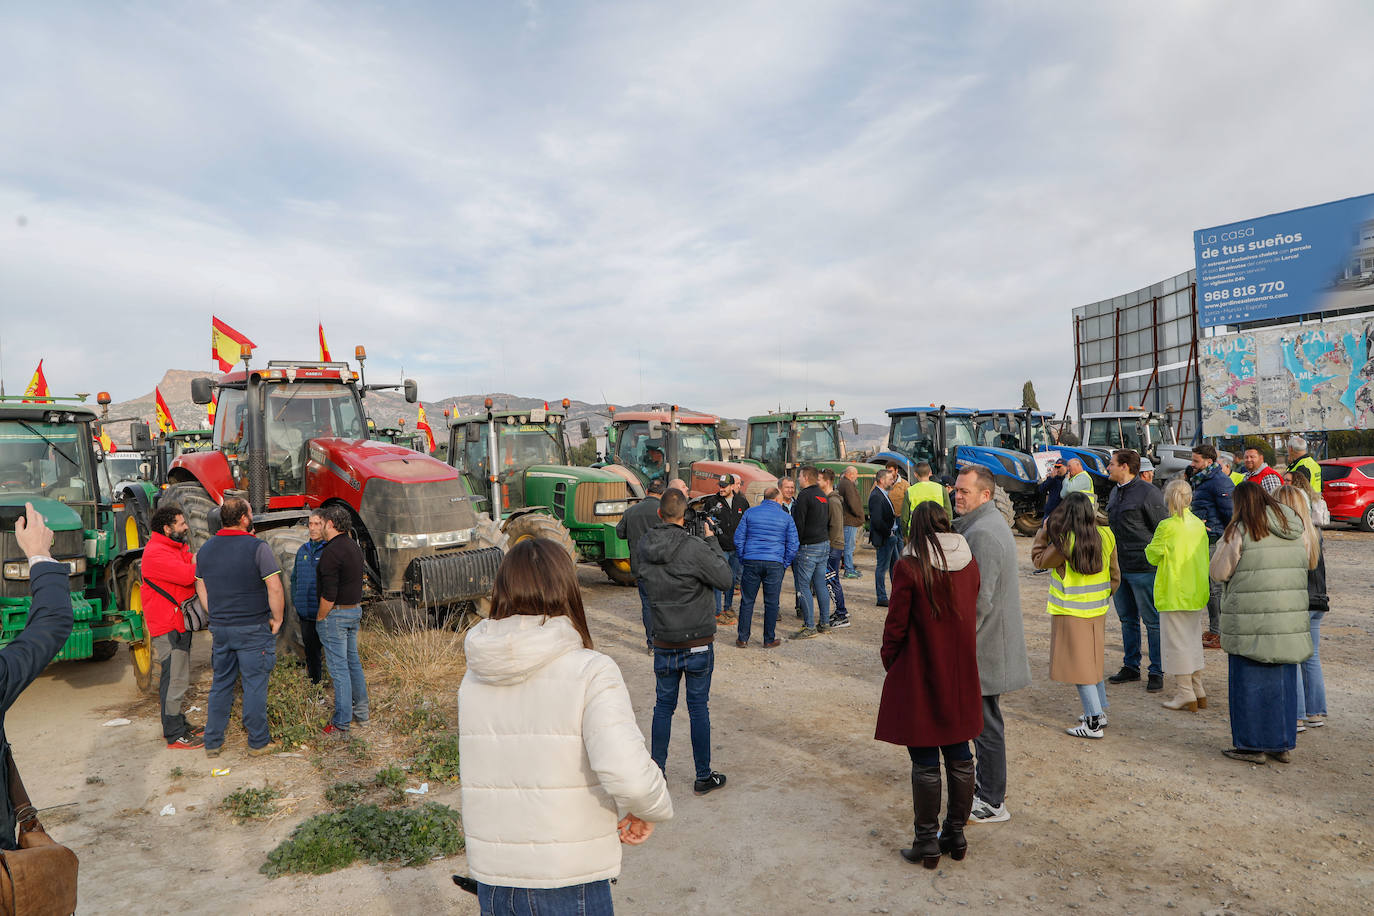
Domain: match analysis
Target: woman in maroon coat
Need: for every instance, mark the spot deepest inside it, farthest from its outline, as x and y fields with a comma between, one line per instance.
x=932, y=701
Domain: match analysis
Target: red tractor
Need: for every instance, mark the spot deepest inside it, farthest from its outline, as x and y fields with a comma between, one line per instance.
x=294, y=436
x=643, y=445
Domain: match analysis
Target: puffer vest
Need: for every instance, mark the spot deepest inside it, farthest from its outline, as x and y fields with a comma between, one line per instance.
x=1264, y=607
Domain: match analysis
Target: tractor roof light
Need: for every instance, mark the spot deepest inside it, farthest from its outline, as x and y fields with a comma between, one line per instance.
x=103, y=398
x=832, y=403
x=611, y=408
x=360, y=353
x=487, y=403
x=245, y=352
x=566, y=403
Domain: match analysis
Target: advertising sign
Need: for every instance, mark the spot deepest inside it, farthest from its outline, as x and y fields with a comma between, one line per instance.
x=1299, y=262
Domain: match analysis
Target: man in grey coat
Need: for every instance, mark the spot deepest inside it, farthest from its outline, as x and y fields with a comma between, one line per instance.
x=638, y=519
x=1002, y=662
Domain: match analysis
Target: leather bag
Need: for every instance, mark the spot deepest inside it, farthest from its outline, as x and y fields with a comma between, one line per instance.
x=38, y=878
x=193, y=613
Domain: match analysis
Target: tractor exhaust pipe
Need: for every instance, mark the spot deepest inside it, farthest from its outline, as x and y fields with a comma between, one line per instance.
x=257, y=446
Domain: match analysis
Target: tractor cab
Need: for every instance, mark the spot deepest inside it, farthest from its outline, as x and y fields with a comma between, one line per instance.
x=525, y=440
x=784, y=441
x=663, y=444
x=1151, y=434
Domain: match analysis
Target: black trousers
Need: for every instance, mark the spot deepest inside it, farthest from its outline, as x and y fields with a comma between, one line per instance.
x=313, y=650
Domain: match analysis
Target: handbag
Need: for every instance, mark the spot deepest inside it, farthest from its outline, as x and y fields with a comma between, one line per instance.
x=193, y=613
x=38, y=878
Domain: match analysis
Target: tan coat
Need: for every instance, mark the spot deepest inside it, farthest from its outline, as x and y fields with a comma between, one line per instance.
x=1077, y=644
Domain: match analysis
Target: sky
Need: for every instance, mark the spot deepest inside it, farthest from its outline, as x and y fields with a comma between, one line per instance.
x=733, y=206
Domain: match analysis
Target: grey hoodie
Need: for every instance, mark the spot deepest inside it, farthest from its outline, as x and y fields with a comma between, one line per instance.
x=679, y=572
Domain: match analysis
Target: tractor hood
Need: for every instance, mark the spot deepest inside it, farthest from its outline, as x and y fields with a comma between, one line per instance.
x=997, y=460
x=572, y=473
x=360, y=460
x=57, y=515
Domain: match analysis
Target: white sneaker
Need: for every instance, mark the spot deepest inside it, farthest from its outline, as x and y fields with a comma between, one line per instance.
x=1302, y=726
x=984, y=813
x=1316, y=721
x=1083, y=730
x=1101, y=720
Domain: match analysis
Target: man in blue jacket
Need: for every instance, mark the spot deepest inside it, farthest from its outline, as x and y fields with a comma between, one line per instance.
x=305, y=595
x=49, y=625
x=766, y=541
x=1212, y=490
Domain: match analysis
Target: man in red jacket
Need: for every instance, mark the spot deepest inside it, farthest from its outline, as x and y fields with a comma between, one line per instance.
x=170, y=567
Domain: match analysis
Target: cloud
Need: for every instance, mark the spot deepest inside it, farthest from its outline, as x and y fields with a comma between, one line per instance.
x=730, y=206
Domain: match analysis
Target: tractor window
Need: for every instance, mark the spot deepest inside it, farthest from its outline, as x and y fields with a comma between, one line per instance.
x=297, y=413
x=230, y=416
x=474, y=456
x=1131, y=435
x=529, y=444
x=50, y=460
x=817, y=441
x=767, y=444
x=911, y=436
x=1042, y=436
x=697, y=443
x=1104, y=431
x=636, y=449
x=958, y=431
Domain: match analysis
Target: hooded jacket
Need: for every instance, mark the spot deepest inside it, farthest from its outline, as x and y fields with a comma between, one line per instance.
x=551, y=757
x=1264, y=605
x=638, y=519
x=1003, y=665
x=1179, y=550
x=171, y=565
x=679, y=571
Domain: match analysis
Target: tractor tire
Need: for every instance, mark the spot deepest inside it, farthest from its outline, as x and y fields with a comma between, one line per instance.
x=616, y=574
x=284, y=543
x=540, y=525
x=1026, y=525
x=141, y=654
x=487, y=534
x=104, y=650
x=1003, y=503
x=196, y=505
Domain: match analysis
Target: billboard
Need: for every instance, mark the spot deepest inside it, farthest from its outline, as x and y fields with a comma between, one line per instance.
x=1299, y=262
x=1278, y=379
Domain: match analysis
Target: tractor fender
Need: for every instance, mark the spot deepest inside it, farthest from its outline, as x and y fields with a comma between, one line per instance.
x=528, y=510
x=209, y=469
x=636, y=487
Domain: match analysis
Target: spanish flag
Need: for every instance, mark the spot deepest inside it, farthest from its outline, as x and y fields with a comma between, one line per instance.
x=165, y=423
x=423, y=425
x=324, y=347
x=105, y=441
x=210, y=411
x=38, y=385
x=225, y=344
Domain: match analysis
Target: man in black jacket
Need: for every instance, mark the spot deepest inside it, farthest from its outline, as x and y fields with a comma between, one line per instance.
x=638, y=519
x=882, y=532
x=47, y=629
x=1134, y=510
x=811, y=513
x=725, y=509
x=679, y=571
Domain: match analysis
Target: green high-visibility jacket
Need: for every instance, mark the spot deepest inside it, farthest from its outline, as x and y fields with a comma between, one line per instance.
x=1313, y=468
x=1079, y=594
x=1179, y=550
x=921, y=492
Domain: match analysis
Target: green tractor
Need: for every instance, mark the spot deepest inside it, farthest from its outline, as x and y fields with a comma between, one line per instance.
x=784, y=441
x=135, y=499
x=48, y=457
x=536, y=491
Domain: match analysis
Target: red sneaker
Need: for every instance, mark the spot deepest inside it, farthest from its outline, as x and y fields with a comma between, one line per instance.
x=334, y=731
x=186, y=743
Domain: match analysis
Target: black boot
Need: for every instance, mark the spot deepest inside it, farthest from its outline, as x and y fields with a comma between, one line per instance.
x=952, y=841
x=925, y=799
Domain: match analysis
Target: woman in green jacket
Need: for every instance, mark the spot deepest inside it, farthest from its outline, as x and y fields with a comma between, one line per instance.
x=1179, y=550
x=1263, y=560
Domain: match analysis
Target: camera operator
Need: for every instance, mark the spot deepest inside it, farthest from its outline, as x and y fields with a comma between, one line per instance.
x=725, y=509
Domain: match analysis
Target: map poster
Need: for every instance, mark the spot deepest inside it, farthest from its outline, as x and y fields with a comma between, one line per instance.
x=1299, y=262
x=1317, y=377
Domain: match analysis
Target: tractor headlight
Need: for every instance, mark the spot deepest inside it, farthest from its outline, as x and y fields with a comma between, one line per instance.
x=611, y=507
x=21, y=570
x=395, y=541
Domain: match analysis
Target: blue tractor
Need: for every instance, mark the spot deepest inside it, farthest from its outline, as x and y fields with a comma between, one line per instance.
x=1032, y=431
x=946, y=438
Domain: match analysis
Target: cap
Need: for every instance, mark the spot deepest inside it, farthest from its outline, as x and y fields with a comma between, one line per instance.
x=726, y=479
x=1146, y=464
x=1060, y=463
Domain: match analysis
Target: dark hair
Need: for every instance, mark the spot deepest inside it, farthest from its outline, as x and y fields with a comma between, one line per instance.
x=896, y=466
x=928, y=521
x=984, y=477
x=922, y=469
x=1206, y=451
x=233, y=510
x=537, y=579
x=1128, y=458
x=657, y=485
x=337, y=516
x=1075, y=516
x=1251, y=511
x=828, y=476
x=807, y=472
x=673, y=506
x=164, y=517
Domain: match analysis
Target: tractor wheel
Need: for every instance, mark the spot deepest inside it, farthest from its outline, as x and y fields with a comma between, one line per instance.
x=1027, y=524
x=104, y=650
x=617, y=573
x=284, y=543
x=1003, y=503
x=141, y=654
x=196, y=505
x=487, y=534
x=539, y=525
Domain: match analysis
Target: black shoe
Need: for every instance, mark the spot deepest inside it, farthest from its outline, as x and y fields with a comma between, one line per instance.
x=839, y=623
x=1124, y=675
x=882, y=602
x=709, y=784
x=1155, y=683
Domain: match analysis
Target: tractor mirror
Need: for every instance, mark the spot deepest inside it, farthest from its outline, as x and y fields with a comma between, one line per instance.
x=586, y=430
x=854, y=422
x=472, y=433
x=139, y=438
x=412, y=391
x=201, y=390
x=655, y=428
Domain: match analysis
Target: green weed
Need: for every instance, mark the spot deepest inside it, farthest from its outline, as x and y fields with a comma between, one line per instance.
x=297, y=710
x=328, y=842
x=345, y=794
x=248, y=803
x=177, y=773
x=437, y=760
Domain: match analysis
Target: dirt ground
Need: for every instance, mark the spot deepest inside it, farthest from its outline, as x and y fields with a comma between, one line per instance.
x=1150, y=818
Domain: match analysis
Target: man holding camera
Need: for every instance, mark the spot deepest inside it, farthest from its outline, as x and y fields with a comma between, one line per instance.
x=679, y=571
x=724, y=509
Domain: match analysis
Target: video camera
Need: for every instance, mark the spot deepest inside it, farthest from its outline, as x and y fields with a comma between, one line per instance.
x=698, y=514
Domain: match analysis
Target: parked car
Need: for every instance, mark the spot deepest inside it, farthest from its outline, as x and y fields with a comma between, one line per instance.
x=1348, y=488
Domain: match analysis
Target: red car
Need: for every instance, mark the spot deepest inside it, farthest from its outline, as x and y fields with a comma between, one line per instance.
x=1348, y=488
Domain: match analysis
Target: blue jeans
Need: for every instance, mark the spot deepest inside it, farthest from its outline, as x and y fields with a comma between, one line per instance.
x=592, y=899
x=768, y=574
x=647, y=611
x=832, y=581
x=339, y=636
x=1094, y=698
x=247, y=653
x=1135, y=602
x=732, y=557
x=882, y=571
x=670, y=666
x=808, y=577
x=851, y=537
x=1311, y=684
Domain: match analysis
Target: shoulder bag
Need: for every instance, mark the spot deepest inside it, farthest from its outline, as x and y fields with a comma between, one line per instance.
x=38, y=878
x=193, y=613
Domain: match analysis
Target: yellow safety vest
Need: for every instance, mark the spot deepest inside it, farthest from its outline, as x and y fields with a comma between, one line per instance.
x=1080, y=595
x=1313, y=468
x=924, y=491
x=1237, y=477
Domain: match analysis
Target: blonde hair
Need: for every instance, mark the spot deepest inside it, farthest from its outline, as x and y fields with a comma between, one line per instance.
x=1178, y=496
x=1296, y=499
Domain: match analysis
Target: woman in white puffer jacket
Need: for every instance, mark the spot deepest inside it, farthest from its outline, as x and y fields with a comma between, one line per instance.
x=554, y=769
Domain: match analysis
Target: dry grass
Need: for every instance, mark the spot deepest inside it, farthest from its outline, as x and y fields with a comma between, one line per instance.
x=413, y=671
